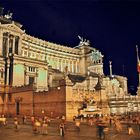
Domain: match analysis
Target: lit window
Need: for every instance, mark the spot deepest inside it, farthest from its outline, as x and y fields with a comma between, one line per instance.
x=31, y=69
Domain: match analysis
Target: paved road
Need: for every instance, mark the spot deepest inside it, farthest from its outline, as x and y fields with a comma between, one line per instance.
x=86, y=133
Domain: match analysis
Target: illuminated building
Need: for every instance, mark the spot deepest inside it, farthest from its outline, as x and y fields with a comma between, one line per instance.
x=39, y=76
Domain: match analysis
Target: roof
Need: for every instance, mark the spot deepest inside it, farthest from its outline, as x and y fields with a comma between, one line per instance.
x=76, y=78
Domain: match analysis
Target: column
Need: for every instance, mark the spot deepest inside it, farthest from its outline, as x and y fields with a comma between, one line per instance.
x=7, y=47
x=65, y=64
x=110, y=66
x=19, y=45
x=76, y=67
x=68, y=66
x=27, y=79
x=72, y=67
x=57, y=63
x=61, y=65
x=7, y=78
x=13, y=49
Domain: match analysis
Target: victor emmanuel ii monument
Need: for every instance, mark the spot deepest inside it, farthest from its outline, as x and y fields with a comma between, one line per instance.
x=37, y=76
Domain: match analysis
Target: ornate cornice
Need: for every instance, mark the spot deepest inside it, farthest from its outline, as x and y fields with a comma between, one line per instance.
x=12, y=27
x=25, y=60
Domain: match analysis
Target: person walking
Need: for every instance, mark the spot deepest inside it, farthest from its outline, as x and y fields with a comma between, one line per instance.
x=100, y=129
x=24, y=119
x=118, y=125
x=32, y=120
x=130, y=130
x=44, y=128
x=16, y=123
x=77, y=124
x=61, y=129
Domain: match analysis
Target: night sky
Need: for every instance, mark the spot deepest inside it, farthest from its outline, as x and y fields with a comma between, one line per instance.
x=111, y=27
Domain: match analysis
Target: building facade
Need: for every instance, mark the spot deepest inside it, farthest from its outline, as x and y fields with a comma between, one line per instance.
x=38, y=75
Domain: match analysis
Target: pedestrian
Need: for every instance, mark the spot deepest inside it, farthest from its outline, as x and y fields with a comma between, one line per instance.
x=32, y=120
x=100, y=127
x=16, y=123
x=37, y=127
x=45, y=128
x=118, y=125
x=91, y=121
x=130, y=130
x=24, y=119
x=61, y=129
x=77, y=124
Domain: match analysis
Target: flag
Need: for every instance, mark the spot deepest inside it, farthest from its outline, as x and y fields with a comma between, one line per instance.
x=138, y=61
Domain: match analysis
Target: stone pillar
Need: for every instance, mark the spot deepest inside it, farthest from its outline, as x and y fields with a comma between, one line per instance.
x=57, y=63
x=65, y=65
x=70, y=112
x=110, y=66
x=13, y=49
x=76, y=67
x=69, y=66
x=7, y=47
x=19, y=45
x=7, y=78
x=72, y=67
x=46, y=86
x=27, y=79
x=61, y=65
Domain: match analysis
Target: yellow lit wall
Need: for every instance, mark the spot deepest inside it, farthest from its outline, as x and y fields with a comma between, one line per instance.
x=18, y=75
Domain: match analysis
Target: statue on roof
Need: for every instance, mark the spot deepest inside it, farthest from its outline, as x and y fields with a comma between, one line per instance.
x=8, y=15
x=83, y=41
x=96, y=56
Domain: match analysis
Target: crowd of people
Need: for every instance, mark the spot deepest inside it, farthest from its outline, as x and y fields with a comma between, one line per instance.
x=103, y=123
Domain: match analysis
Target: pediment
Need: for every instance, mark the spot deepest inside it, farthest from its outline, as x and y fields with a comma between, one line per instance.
x=12, y=27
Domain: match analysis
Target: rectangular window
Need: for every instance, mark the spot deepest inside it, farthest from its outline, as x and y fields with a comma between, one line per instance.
x=31, y=69
x=31, y=80
x=5, y=43
x=16, y=44
x=10, y=45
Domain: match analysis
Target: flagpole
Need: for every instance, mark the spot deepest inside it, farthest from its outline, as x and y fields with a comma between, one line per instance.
x=138, y=67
